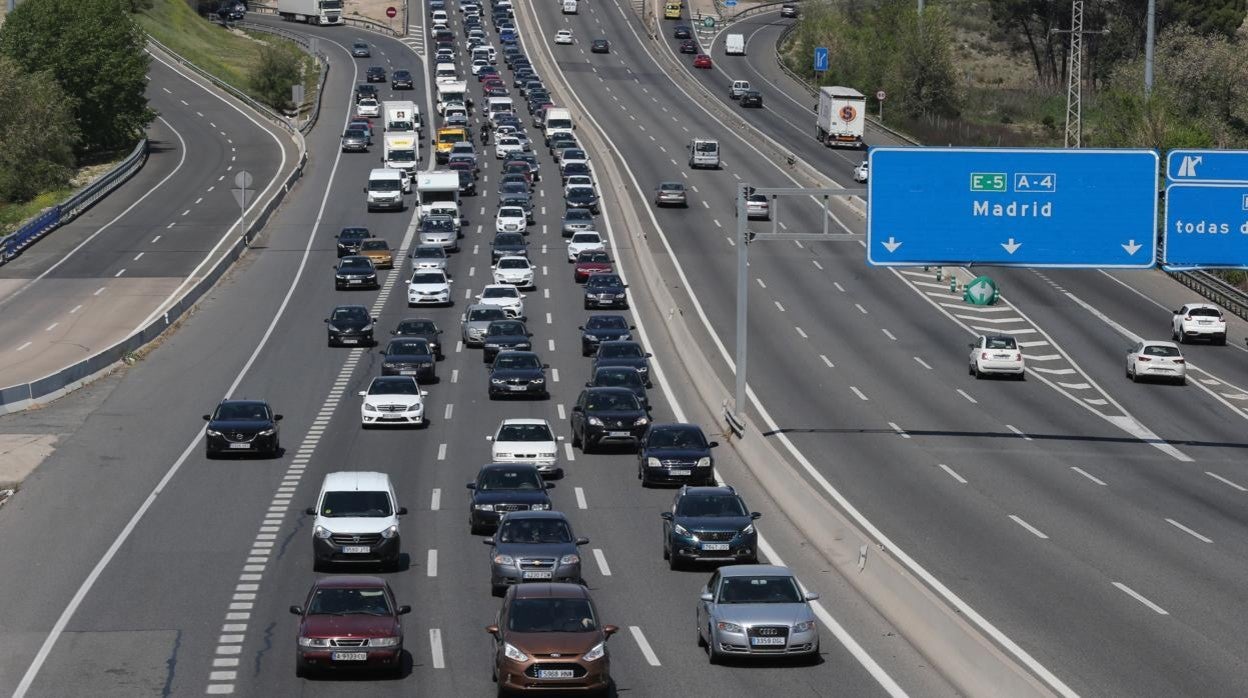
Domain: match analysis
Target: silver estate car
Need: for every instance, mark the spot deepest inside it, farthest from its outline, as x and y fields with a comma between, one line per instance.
x=755, y=611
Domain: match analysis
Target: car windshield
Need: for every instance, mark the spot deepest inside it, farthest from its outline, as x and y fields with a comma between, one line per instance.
x=242, y=411
x=607, y=322
x=580, y=193
x=383, y=184
x=534, y=531
x=351, y=234
x=1160, y=350
x=624, y=350
x=356, y=133
x=417, y=327
x=761, y=589
x=596, y=256
x=428, y=277
x=516, y=361
x=676, y=437
x=516, y=199
x=518, y=478
x=369, y=601
x=408, y=346
x=356, y=503
x=439, y=225
x=509, y=239
x=513, y=264
x=579, y=214
x=514, y=188
x=604, y=280
x=672, y=186
x=354, y=264
x=402, y=75
x=524, y=432
x=584, y=238
x=505, y=328
x=500, y=292
x=429, y=253
x=618, y=378
x=374, y=245
x=485, y=314
x=710, y=505
x=1000, y=343
x=349, y=314
x=612, y=401
x=546, y=615
x=394, y=385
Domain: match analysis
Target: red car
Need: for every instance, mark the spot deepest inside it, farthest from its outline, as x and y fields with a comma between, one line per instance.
x=702, y=61
x=495, y=90
x=349, y=622
x=688, y=46
x=519, y=167
x=591, y=263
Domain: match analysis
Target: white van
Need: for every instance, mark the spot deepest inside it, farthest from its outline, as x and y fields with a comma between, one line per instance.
x=734, y=45
x=498, y=106
x=357, y=521
x=445, y=73
x=704, y=152
x=485, y=52
x=385, y=189
x=558, y=120
x=569, y=7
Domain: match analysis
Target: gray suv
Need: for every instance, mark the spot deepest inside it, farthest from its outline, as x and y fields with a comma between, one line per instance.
x=534, y=546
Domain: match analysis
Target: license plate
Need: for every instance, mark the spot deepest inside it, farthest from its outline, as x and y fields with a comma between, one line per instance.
x=407, y=372
x=350, y=341
x=354, y=281
x=350, y=656
x=605, y=302
x=554, y=673
x=714, y=546
x=240, y=445
x=682, y=472
x=518, y=387
x=1000, y=356
x=537, y=575
x=355, y=549
x=766, y=641
x=617, y=433
x=1205, y=322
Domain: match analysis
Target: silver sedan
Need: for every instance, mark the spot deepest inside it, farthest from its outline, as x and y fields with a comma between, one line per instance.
x=756, y=611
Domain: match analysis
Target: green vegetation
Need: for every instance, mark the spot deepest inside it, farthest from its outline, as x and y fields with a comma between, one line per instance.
x=37, y=133
x=273, y=75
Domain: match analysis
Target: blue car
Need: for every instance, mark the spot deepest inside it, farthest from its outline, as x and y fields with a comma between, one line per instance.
x=508, y=37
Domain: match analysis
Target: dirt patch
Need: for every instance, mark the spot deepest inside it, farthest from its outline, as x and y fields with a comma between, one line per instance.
x=20, y=454
x=376, y=10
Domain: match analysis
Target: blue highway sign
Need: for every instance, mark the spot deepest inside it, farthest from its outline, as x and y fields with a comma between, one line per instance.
x=1012, y=207
x=1206, y=209
x=821, y=60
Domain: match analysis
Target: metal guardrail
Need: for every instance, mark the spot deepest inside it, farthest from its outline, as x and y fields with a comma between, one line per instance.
x=353, y=21
x=14, y=243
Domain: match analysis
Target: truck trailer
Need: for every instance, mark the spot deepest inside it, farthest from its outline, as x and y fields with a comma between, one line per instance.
x=842, y=114
x=311, y=11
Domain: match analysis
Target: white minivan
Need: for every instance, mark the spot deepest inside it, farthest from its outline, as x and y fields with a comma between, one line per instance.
x=385, y=189
x=357, y=521
x=485, y=52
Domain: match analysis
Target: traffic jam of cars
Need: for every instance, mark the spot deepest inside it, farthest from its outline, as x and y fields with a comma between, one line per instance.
x=548, y=632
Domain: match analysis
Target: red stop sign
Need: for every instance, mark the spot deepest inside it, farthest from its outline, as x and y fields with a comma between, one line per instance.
x=391, y=12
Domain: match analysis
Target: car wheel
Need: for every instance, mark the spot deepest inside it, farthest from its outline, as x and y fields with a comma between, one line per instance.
x=498, y=590
x=209, y=453
x=587, y=445
x=976, y=372
x=1220, y=341
x=713, y=655
x=1182, y=338
x=576, y=440
x=667, y=554
x=1135, y=377
x=701, y=640
x=390, y=566
x=673, y=562
x=1022, y=376
x=301, y=670
x=475, y=530
x=1182, y=380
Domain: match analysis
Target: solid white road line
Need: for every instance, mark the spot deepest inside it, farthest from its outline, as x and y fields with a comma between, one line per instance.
x=602, y=562
x=952, y=474
x=651, y=658
x=1088, y=475
x=1136, y=595
x=1035, y=531
x=900, y=432
x=580, y=498
x=858, y=392
x=923, y=363
x=1189, y=531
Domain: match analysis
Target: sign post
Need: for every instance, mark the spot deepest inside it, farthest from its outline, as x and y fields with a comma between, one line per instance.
x=1012, y=207
x=390, y=13
x=881, y=96
x=241, y=191
x=1206, y=210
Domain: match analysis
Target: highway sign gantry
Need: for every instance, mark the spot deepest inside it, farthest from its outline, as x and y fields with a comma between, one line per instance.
x=1206, y=209
x=1012, y=207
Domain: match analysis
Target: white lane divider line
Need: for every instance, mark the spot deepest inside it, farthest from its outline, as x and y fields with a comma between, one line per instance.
x=123, y=271
x=450, y=408
x=1054, y=371
x=900, y=432
x=923, y=363
x=441, y=451
x=580, y=498
x=860, y=308
x=888, y=334
x=966, y=395
x=23, y=346
x=455, y=375
x=1224, y=481
x=858, y=392
x=568, y=452
x=562, y=412
x=1034, y=531
x=951, y=473
x=801, y=332
x=817, y=264
x=1088, y=475
x=827, y=362
x=602, y=562
x=1018, y=431
x=435, y=499
x=1138, y=597
x=137, y=257
x=435, y=648
x=431, y=563
x=838, y=286
x=51, y=327
x=646, y=650
x=760, y=283
x=1188, y=531
x=76, y=309
x=554, y=374
x=778, y=306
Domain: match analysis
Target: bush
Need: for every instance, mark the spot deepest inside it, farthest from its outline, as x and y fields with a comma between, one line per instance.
x=37, y=134
x=274, y=74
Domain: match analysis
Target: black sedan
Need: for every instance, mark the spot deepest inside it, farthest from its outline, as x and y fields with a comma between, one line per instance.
x=350, y=325
x=600, y=46
x=624, y=353
x=355, y=271
x=752, y=98
x=401, y=80
x=582, y=197
x=366, y=90
x=711, y=524
x=375, y=73
x=409, y=356
x=518, y=373
x=621, y=377
x=675, y=454
x=242, y=426
x=349, y=240
x=689, y=46
x=607, y=415
x=508, y=245
x=501, y=488
x=605, y=291
x=421, y=328
x=682, y=31
x=505, y=335
x=603, y=328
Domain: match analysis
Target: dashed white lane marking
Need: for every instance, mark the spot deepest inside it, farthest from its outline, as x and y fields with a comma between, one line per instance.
x=858, y=392
x=100, y=290
x=166, y=89
x=888, y=334
x=1034, y=531
x=186, y=212
x=900, y=432
x=435, y=499
x=441, y=451
x=580, y=498
x=923, y=363
x=455, y=375
x=137, y=256
x=780, y=307
x=199, y=200
x=1088, y=475
x=646, y=651
x=1018, y=431
x=450, y=408
x=568, y=452
x=838, y=286
x=554, y=375
x=431, y=563
x=155, y=239
x=23, y=346
x=602, y=562
x=966, y=395
x=51, y=327
x=76, y=309
x=760, y=283
x=827, y=361
x=562, y=413
x=183, y=101
x=167, y=227
x=1224, y=481
x=1138, y=597
x=549, y=320
x=951, y=473
x=1189, y=531
x=123, y=271
x=435, y=648
x=817, y=264
x=801, y=332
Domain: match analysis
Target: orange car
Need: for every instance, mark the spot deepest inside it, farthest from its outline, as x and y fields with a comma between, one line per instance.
x=378, y=252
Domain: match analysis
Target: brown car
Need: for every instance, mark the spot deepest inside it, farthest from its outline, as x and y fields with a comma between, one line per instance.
x=378, y=252
x=548, y=637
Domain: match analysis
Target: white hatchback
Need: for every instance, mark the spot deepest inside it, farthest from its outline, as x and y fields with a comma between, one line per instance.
x=428, y=287
x=510, y=219
x=563, y=36
x=527, y=441
x=1154, y=359
x=514, y=270
x=504, y=296
x=997, y=353
x=860, y=173
x=584, y=241
x=478, y=64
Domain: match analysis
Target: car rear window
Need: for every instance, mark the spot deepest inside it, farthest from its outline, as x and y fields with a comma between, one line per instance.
x=551, y=616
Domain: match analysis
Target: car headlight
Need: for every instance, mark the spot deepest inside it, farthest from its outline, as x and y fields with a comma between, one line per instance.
x=598, y=652
x=267, y=432
x=384, y=642
x=515, y=655
x=804, y=627
x=340, y=277
x=748, y=530
x=704, y=462
x=682, y=531
x=390, y=532
x=525, y=346
x=626, y=336
x=369, y=408
x=213, y=432
x=538, y=381
x=483, y=507
x=314, y=642
x=541, y=507
x=570, y=560
x=367, y=328
x=594, y=421
x=497, y=381
x=334, y=329
x=504, y=560
x=726, y=627
x=321, y=532
x=653, y=463
x=619, y=295
x=641, y=422
x=547, y=454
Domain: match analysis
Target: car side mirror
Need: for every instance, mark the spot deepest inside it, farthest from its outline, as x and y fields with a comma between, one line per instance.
x=488, y=541
x=648, y=355
x=472, y=485
x=491, y=629
x=577, y=408
x=755, y=515
x=971, y=345
x=365, y=190
x=582, y=541
x=610, y=630
x=706, y=596
x=545, y=365
x=549, y=485
x=558, y=438
x=207, y=418
x=811, y=596
x=401, y=512
x=666, y=515
x=624, y=285
x=424, y=393
x=489, y=438
x=1176, y=312
x=297, y=610
x=326, y=320
x=404, y=609
x=395, y=332
x=712, y=444
x=632, y=327
x=310, y=511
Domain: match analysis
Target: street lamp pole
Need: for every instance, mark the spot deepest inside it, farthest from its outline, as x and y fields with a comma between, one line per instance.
x=1149, y=43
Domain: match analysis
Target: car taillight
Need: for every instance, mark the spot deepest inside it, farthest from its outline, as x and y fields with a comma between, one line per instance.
x=1018, y=356
x=1189, y=317
x=1142, y=358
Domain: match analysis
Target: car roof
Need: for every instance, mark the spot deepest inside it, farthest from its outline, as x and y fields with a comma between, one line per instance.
x=549, y=590
x=696, y=491
x=513, y=515
x=351, y=307
x=753, y=570
x=356, y=481
x=526, y=421
x=1159, y=343
x=243, y=402
x=1202, y=305
x=347, y=581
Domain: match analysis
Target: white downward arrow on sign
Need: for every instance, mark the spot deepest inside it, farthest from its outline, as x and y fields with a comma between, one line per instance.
x=891, y=245
x=1131, y=247
x=1011, y=246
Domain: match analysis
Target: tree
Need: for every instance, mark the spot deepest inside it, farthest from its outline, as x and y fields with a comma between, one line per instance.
x=37, y=134
x=1028, y=26
x=94, y=50
x=274, y=74
x=925, y=70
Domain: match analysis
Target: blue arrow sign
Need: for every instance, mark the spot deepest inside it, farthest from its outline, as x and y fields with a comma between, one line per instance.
x=821, y=60
x=1206, y=209
x=1012, y=207
x=730, y=3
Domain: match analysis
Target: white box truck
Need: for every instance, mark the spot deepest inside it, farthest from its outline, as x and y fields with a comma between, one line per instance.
x=451, y=92
x=569, y=7
x=841, y=117
x=438, y=191
x=734, y=45
x=311, y=11
x=399, y=151
x=558, y=120
x=401, y=116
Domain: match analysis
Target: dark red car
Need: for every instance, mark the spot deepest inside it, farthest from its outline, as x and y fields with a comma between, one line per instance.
x=688, y=46
x=495, y=90
x=519, y=167
x=591, y=263
x=702, y=61
x=349, y=622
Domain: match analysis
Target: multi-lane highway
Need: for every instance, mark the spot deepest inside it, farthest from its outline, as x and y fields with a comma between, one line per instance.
x=1094, y=522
